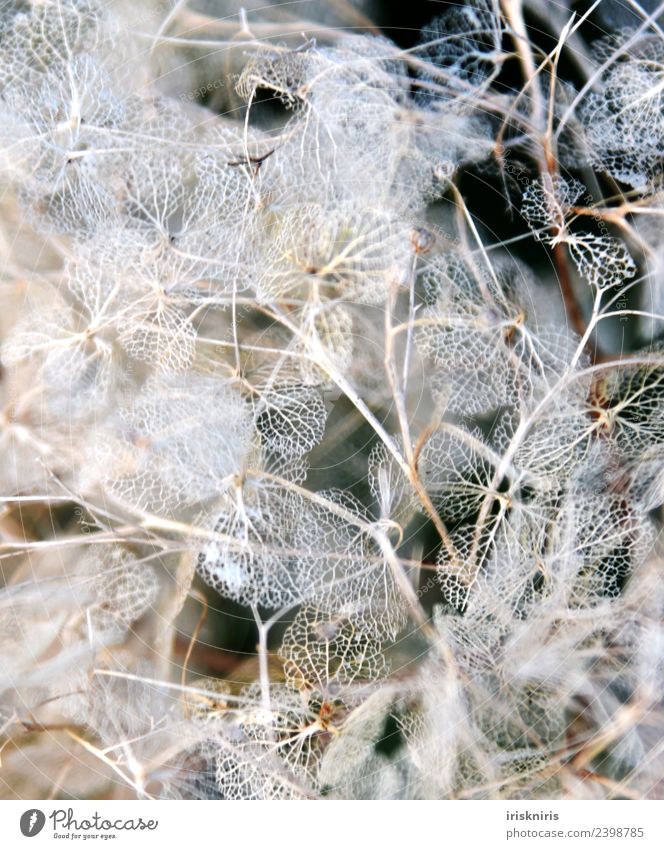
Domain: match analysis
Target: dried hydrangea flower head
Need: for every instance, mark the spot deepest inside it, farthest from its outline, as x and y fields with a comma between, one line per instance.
x=325, y=473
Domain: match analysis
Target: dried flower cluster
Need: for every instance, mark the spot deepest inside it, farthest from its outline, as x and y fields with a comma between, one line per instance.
x=269, y=352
